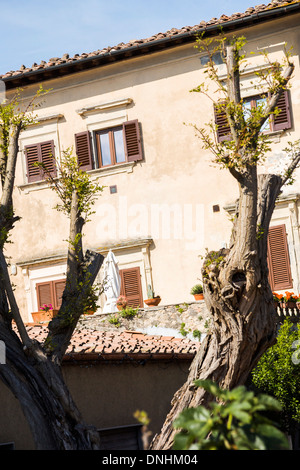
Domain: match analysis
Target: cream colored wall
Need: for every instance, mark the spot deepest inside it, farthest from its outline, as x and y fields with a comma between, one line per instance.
x=176, y=174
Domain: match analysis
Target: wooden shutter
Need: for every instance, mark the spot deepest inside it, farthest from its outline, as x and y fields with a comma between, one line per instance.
x=132, y=139
x=44, y=294
x=131, y=286
x=32, y=156
x=50, y=293
x=283, y=119
x=278, y=259
x=58, y=290
x=47, y=156
x=43, y=153
x=83, y=150
x=223, y=128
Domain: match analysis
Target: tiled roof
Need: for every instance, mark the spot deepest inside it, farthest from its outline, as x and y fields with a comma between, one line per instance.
x=66, y=60
x=89, y=344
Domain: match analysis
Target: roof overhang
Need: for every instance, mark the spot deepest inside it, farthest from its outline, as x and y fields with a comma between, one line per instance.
x=60, y=70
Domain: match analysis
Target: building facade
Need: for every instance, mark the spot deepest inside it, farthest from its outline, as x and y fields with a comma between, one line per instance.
x=126, y=112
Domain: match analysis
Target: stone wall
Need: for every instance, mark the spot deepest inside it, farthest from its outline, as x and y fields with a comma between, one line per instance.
x=179, y=320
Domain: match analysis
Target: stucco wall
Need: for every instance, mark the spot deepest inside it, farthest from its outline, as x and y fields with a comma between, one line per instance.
x=169, y=196
x=107, y=395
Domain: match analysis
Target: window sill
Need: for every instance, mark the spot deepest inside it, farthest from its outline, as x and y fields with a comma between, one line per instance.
x=126, y=167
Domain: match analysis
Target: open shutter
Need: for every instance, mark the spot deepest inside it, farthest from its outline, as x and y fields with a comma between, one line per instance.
x=131, y=286
x=32, y=156
x=58, y=290
x=47, y=156
x=223, y=128
x=44, y=294
x=132, y=139
x=278, y=259
x=283, y=119
x=83, y=150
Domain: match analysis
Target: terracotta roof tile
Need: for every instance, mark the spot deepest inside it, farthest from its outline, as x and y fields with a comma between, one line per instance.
x=87, y=344
x=66, y=59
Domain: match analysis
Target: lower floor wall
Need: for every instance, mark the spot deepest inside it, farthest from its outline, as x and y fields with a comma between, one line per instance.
x=107, y=394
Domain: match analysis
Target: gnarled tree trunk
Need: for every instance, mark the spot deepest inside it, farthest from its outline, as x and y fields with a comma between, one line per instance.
x=240, y=302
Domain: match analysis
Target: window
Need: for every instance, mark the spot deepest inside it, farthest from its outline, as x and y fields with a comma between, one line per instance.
x=42, y=153
x=279, y=122
x=278, y=259
x=131, y=286
x=110, y=147
x=114, y=145
x=50, y=293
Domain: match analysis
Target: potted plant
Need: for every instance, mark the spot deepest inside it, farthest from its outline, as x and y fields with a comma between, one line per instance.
x=298, y=303
x=45, y=314
x=197, y=292
x=153, y=300
x=289, y=300
x=277, y=299
x=122, y=302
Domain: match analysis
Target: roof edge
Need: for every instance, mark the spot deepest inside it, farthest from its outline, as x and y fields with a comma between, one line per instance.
x=86, y=63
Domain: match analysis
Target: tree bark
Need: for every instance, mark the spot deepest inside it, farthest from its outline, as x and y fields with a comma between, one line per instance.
x=240, y=303
x=37, y=383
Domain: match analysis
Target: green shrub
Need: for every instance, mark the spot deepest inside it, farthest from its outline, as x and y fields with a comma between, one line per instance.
x=278, y=373
x=235, y=422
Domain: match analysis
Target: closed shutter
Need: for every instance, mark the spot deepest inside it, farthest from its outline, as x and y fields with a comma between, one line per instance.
x=132, y=138
x=50, y=293
x=47, y=156
x=221, y=121
x=42, y=153
x=32, y=156
x=283, y=119
x=278, y=259
x=131, y=286
x=58, y=290
x=44, y=294
x=83, y=150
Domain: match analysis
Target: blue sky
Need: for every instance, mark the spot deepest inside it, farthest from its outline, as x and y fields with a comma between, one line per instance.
x=35, y=30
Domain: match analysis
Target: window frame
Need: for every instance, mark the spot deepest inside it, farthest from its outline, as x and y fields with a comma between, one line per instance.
x=112, y=148
x=284, y=104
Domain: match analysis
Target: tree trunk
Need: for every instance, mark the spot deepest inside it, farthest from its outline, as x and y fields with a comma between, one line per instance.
x=37, y=383
x=240, y=302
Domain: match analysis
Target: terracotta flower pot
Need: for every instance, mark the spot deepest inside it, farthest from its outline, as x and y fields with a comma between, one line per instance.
x=152, y=302
x=121, y=306
x=198, y=296
x=43, y=316
x=291, y=305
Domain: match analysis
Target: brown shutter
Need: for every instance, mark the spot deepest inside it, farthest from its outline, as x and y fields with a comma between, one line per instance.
x=132, y=138
x=223, y=128
x=47, y=156
x=278, y=259
x=43, y=153
x=131, y=286
x=44, y=294
x=58, y=290
x=32, y=156
x=283, y=119
x=83, y=150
